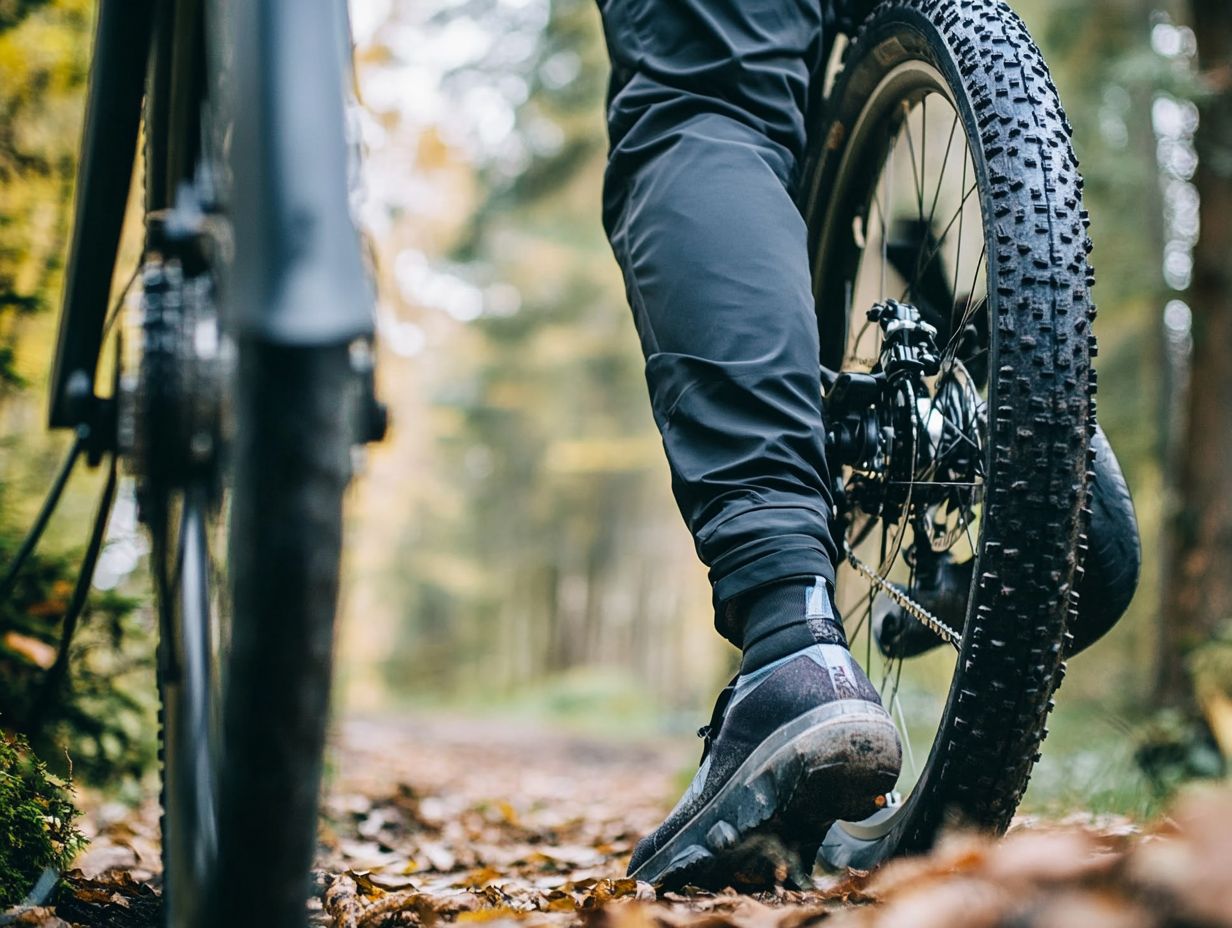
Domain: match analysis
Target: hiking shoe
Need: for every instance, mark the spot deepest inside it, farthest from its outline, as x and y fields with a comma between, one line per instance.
x=790, y=748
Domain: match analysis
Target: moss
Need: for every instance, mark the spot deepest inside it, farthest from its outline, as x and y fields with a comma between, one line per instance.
x=37, y=821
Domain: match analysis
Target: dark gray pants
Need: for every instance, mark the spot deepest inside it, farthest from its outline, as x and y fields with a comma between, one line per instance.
x=706, y=118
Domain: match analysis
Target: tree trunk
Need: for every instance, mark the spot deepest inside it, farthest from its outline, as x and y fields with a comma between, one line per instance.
x=1199, y=574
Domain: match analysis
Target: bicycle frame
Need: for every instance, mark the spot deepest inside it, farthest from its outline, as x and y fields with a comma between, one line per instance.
x=297, y=275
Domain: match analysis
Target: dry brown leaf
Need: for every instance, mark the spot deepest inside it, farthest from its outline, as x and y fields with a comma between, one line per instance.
x=603, y=891
x=33, y=917
x=496, y=913
x=422, y=909
x=1192, y=869
x=342, y=902
x=556, y=857
x=37, y=652
x=1047, y=857
x=92, y=895
x=1085, y=909
x=365, y=885
x=629, y=915
x=392, y=882
x=559, y=901
x=801, y=916
x=852, y=889
x=960, y=902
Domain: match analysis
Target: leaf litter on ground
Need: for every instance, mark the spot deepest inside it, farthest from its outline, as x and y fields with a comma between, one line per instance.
x=450, y=821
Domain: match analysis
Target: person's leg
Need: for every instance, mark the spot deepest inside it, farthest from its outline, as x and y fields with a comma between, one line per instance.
x=706, y=118
x=707, y=129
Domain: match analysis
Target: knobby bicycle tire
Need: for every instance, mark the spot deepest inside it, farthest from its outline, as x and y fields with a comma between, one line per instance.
x=1040, y=383
x=292, y=462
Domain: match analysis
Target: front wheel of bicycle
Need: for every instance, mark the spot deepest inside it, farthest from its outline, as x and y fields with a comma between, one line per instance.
x=242, y=447
x=945, y=179
x=246, y=550
x=295, y=427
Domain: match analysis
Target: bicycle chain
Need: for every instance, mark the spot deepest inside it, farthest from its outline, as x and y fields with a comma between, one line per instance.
x=916, y=611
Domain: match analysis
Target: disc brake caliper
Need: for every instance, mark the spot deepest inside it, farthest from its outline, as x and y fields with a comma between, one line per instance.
x=864, y=417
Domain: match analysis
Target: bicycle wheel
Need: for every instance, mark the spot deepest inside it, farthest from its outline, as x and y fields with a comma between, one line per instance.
x=243, y=454
x=246, y=553
x=295, y=428
x=945, y=192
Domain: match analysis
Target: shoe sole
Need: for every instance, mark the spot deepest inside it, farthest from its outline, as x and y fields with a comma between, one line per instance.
x=831, y=763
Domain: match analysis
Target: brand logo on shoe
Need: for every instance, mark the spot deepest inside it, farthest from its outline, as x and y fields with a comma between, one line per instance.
x=844, y=686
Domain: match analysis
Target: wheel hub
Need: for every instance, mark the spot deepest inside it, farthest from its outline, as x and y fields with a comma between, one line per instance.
x=888, y=427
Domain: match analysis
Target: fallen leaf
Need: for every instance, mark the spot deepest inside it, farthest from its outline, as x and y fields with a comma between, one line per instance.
x=39, y=653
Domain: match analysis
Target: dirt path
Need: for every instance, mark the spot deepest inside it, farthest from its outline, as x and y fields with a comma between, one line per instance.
x=454, y=820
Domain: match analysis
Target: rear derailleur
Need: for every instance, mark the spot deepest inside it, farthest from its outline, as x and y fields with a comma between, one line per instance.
x=885, y=429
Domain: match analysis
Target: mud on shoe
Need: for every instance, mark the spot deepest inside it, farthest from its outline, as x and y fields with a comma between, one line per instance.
x=791, y=748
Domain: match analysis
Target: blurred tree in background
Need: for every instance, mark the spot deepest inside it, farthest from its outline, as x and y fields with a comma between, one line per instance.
x=42, y=75
x=100, y=710
x=1199, y=589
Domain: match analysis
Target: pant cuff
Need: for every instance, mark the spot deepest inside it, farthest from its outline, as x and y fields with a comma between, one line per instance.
x=760, y=564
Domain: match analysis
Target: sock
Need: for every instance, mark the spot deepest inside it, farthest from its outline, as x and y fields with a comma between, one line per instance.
x=785, y=617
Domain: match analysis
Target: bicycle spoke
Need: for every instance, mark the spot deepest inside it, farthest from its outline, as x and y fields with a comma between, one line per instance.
x=966, y=361
x=902, y=721
x=951, y=346
x=961, y=433
x=949, y=225
x=945, y=161
x=962, y=214
x=967, y=522
x=917, y=177
x=868, y=634
x=885, y=238
x=864, y=614
x=923, y=149
x=954, y=484
x=894, y=702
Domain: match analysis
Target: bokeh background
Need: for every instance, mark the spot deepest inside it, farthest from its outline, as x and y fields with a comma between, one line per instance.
x=514, y=545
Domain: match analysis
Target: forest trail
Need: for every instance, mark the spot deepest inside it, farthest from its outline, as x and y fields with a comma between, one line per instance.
x=511, y=824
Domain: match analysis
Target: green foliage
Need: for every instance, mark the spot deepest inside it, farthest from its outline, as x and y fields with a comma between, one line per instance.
x=1211, y=662
x=1174, y=748
x=101, y=712
x=12, y=12
x=37, y=818
x=43, y=52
